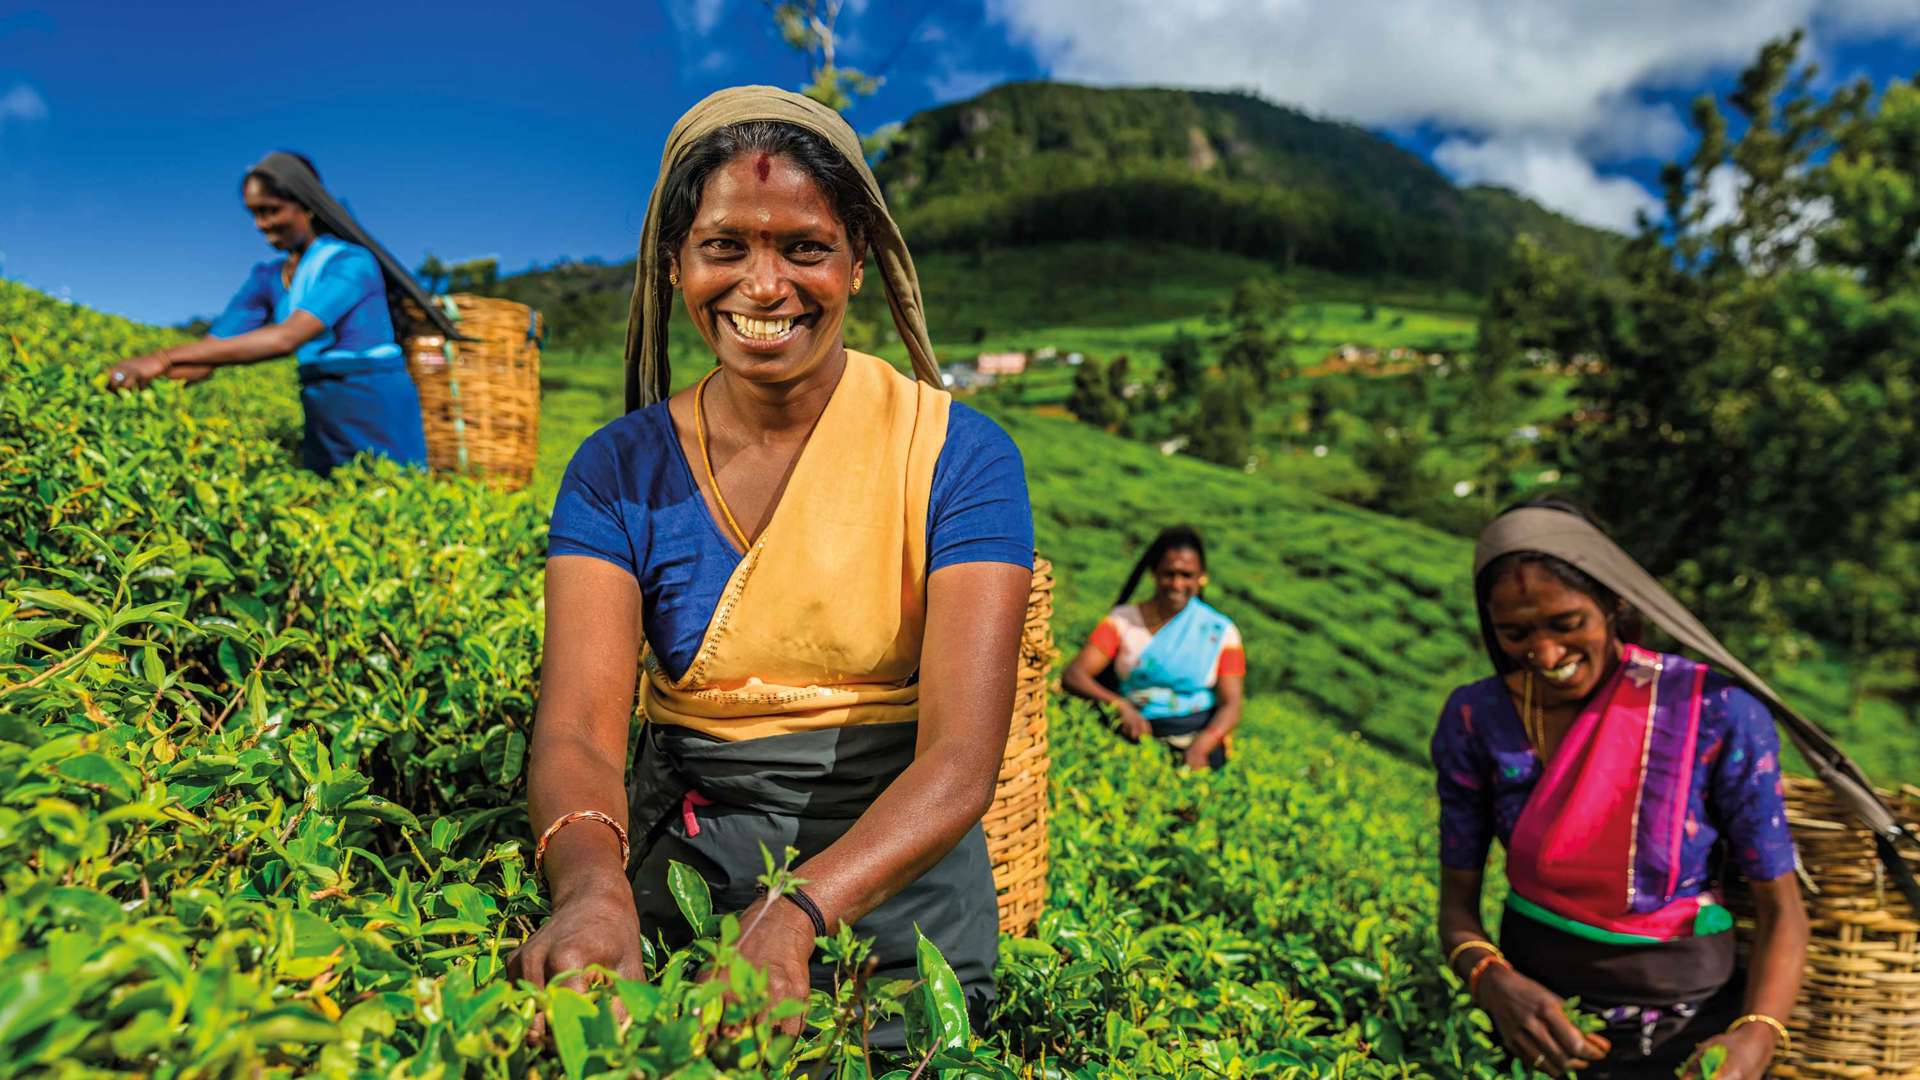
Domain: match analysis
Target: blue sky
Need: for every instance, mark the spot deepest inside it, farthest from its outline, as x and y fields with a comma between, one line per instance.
x=533, y=131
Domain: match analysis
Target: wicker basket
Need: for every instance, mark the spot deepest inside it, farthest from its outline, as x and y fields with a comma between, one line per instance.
x=1016, y=824
x=480, y=399
x=1859, y=1008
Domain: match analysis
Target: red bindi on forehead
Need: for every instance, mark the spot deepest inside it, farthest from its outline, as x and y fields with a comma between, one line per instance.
x=763, y=167
x=765, y=236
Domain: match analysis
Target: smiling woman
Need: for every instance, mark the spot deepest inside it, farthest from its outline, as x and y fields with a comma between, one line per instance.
x=829, y=564
x=1624, y=783
x=325, y=302
x=1171, y=666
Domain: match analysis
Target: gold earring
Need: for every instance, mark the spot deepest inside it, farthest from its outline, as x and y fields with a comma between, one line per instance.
x=856, y=285
x=673, y=280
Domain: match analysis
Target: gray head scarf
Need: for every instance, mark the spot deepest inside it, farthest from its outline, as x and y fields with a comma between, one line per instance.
x=1567, y=537
x=293, y=176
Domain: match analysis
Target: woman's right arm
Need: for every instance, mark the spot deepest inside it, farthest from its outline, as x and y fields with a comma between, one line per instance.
x=1081, y=679
x=578, y=761
x=1527, y=1015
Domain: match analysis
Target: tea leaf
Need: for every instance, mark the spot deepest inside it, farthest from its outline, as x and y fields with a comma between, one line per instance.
x=690, y=895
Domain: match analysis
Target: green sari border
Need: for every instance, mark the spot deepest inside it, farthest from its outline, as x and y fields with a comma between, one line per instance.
x=1713, y=919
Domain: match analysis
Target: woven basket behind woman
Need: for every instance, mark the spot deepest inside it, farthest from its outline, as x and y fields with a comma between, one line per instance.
x=1859, y=1008
x=1016, y=824
x=480, y=399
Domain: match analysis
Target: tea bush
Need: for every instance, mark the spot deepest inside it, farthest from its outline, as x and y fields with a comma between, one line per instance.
x=262, y=741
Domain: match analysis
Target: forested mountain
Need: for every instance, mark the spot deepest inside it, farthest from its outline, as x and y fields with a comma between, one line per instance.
x=1050, y=164
x=1030, y=163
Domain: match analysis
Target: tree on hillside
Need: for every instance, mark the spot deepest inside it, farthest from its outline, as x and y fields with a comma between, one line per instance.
x=1325, y=397
x=1182, y=364
x=432, y=274
x=1759, y=386
x=1120, y=378
x=1093, y=400
x=1220, y=428
x=1256, y=337
x=473, y=276
x=1408, y=486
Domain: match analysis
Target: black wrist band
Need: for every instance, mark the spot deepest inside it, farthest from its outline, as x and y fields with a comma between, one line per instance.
x=805, y=903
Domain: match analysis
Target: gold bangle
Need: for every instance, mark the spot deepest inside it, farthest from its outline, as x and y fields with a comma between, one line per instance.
x=1780, y=1029
x=1479, y=969
x=540, y=849
x=1476, y=943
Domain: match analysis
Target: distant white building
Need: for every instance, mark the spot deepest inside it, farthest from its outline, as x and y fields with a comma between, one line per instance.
x=1003, y=363
x=963, y=377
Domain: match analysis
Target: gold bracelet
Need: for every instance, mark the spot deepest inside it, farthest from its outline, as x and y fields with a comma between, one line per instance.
x=1780, y=1029
x=540, y=849
x=1479, y=969
x=1476, y=943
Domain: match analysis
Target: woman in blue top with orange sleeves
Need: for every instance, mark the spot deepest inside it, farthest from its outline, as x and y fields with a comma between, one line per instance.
x=325, y=303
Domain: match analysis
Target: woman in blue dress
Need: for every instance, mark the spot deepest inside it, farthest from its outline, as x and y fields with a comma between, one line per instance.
x=1171, y=666
x=324, y=303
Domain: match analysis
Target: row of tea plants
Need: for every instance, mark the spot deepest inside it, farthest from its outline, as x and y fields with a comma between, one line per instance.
x=261, y=803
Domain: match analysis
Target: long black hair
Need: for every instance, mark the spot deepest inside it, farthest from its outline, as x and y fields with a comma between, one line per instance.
x=1171, y=538
x=1625, y=621
x=272, y=187
x=837, y=178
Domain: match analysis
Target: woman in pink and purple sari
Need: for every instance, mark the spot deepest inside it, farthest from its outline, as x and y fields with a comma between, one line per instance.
x=1624, y=784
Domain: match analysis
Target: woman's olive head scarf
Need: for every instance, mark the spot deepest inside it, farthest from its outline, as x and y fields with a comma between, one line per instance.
x=1570, y=538
x=647, y=374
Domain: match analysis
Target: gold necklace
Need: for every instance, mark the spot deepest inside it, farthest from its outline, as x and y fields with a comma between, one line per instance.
x=706, y=457
x=1534, y=719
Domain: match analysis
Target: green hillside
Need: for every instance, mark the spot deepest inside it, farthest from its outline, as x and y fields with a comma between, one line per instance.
x=261, y=742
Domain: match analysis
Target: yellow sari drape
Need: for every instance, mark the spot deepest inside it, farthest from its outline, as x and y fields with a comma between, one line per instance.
x=820, y=625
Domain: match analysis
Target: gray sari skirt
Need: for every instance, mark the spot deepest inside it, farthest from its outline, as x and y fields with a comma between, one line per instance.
x=804, y=791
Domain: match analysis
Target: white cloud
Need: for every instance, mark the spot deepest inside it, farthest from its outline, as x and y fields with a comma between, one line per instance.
x=1721, y=195
x=22, y=103
x=706, y=15
x=1532, y=88
x=694, y=22
x=1554, y=174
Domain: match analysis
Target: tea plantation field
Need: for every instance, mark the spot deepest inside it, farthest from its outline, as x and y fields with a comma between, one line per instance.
x=262, y=741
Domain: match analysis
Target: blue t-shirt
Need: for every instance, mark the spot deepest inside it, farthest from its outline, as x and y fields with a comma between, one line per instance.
x=336, y=282
x=629, y=498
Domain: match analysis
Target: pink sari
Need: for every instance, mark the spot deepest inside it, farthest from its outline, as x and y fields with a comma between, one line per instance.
x=1596, y=851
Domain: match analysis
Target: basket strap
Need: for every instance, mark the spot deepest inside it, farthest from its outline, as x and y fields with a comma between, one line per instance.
x=452, y=311
x=1898, y=870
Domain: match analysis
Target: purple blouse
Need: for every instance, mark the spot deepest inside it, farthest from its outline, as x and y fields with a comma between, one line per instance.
x=1486, y=770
